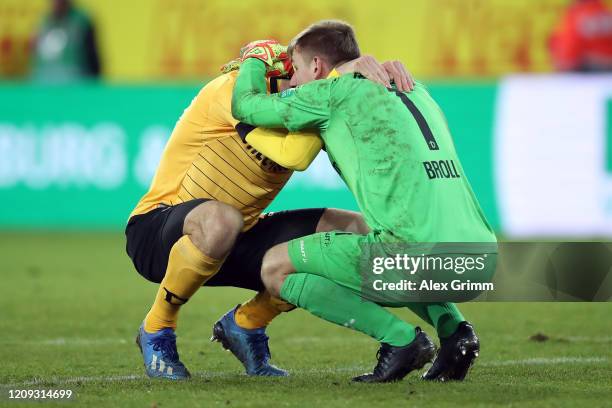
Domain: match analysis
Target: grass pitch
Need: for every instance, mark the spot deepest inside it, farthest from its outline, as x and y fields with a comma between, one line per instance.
x=70, y=305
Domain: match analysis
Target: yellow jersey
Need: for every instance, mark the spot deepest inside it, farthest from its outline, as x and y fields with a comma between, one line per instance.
x=206, y=158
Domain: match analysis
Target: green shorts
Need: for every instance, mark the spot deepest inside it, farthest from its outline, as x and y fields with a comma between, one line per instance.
x=333, y=255
x=357, y=262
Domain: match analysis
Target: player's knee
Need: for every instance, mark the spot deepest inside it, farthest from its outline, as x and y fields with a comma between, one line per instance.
x=213, y=227
x=275, y=267
x=223, y=219
x=342, y=220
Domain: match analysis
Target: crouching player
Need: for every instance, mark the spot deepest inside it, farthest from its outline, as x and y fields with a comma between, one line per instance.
x=200, y=223
x=382, y=143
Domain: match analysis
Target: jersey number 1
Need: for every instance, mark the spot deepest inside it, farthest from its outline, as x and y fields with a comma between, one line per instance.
x=420, y=119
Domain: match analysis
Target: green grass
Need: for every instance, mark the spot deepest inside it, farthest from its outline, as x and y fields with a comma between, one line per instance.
x=70, y=305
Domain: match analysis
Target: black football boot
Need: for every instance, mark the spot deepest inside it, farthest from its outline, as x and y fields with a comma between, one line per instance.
x=394, y=363
x=456, y=355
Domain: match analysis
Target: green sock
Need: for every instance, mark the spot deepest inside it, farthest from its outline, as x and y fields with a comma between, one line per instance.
x=445, y=317
x=334, y=303
x=420, y=309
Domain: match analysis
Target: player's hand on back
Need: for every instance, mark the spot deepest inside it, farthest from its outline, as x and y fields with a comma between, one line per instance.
x=383, y=73
x=367, y=66
x=400, y=75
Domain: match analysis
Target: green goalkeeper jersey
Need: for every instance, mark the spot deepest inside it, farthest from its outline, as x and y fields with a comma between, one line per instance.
x=393, y=150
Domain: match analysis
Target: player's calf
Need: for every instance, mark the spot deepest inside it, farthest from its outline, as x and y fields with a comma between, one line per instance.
x=456, y=355
x=275, y=268
x=334, y=219
x=210, y=230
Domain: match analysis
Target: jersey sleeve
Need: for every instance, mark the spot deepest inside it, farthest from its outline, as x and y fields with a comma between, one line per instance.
x=294, y=151
x=307, y=106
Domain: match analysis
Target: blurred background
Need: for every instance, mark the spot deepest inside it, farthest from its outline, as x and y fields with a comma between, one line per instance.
x=90, y=91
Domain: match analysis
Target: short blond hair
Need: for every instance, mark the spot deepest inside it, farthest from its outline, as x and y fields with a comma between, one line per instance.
x=333, y=40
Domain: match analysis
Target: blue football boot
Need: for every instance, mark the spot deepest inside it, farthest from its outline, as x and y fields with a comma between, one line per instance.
x=249, y=346
x=161, y=360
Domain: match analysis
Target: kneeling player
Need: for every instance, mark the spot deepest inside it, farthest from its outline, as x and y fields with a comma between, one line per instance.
x=157, y=244
x=378, y=141
x=199, y=224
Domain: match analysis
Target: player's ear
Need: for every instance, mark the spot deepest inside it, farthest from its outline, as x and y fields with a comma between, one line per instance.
x=318, y=67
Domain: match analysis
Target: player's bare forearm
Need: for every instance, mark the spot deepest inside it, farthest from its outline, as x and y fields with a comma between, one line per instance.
x=250, y=102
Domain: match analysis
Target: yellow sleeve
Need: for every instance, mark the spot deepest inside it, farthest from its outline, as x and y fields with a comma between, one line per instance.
x=295, y=150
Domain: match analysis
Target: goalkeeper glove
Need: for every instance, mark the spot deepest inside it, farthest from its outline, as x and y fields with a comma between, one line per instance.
x=273, y=54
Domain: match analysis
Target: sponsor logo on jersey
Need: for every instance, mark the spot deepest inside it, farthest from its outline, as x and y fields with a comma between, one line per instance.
x=265, y=163
x=303, y=251
x=287, y=92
